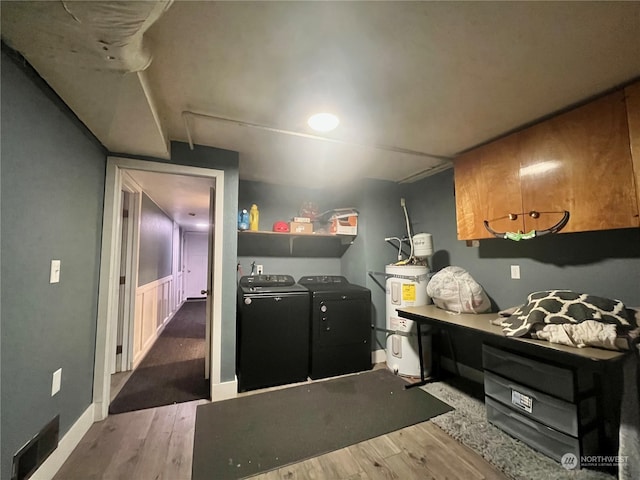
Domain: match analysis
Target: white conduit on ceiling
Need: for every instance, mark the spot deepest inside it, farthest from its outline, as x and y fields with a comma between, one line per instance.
x=187, y=113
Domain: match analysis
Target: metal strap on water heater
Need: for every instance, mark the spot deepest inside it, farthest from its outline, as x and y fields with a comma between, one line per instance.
x=411, y=278
x=425, y=333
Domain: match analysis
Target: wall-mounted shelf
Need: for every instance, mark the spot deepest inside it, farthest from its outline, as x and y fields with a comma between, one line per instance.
x=276, y=244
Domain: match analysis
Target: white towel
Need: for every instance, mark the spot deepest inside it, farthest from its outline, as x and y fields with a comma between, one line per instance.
x=589, y=333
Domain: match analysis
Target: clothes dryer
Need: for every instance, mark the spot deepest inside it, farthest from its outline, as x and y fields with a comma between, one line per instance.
x=340, y=326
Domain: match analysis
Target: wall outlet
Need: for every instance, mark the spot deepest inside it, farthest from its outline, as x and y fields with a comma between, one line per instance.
x=515, y=272
x=259, y=270
x=56, y=381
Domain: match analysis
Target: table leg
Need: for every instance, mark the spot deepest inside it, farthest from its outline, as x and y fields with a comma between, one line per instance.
x=423, y=380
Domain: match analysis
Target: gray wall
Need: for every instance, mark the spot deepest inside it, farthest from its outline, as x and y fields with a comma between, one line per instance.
x=605, y=263
x=383, y=217
x=380, y=216
x=226, y=160
x=52, y=197
x=296, y=267
x=156, y=243
x=275, y=203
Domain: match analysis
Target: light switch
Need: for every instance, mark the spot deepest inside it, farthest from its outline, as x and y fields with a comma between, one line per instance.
x=56, y=381
x=55, y=271
x=515, y=272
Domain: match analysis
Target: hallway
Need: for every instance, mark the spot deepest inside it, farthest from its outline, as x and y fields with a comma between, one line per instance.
x=173, y=370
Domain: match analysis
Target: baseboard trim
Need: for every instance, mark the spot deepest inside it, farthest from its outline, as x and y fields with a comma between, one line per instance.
x=224, y=391
x=71, y=439
x=378, y=356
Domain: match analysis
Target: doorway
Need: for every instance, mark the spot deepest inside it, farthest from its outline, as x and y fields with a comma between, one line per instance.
x=107, y=331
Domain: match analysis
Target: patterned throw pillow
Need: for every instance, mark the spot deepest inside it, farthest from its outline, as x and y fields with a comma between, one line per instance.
x=563, y=306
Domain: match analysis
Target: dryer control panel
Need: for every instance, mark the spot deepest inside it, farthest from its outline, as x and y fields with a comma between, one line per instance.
x=323, y=279
x=267, y=281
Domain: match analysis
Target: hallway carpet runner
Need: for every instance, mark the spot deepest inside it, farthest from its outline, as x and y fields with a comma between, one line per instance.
x=173, y=370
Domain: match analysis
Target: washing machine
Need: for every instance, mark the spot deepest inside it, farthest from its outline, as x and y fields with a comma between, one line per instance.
x=340, y=326
x=272, y=332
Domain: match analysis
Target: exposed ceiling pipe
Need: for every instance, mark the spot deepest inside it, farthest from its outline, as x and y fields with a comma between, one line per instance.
x=387, y=148
x=427, y=172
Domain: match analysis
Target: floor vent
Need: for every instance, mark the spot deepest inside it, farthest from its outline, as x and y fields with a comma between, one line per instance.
x=27, y=460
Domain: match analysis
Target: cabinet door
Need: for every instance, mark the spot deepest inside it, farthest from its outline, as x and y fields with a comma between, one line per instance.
x=580, y=161
x=632, y=94
x=488, y=188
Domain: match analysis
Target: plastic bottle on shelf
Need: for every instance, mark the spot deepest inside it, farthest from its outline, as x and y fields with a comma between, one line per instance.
x=254, y=217
x=243, y=219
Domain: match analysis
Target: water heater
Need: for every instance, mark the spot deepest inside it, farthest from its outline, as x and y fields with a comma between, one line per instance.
x=406, y=286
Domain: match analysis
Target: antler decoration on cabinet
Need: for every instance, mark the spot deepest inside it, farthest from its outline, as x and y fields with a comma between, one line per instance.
x=517, y=236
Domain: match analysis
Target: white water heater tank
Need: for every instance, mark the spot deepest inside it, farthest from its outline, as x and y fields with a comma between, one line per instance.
x=406, y=286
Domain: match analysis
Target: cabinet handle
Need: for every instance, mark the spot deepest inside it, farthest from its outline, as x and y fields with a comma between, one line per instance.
x=517, y=236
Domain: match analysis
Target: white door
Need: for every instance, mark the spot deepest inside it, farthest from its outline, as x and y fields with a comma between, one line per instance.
x=130, y=214
x=196, y=247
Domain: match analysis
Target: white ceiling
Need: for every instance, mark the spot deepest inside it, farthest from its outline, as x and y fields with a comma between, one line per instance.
x=414, y=83
x=184, y=198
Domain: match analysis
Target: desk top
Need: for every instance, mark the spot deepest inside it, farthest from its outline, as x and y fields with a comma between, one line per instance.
x=482, y=322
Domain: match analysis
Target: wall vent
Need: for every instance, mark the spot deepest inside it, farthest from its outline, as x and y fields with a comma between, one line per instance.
x=27, y=460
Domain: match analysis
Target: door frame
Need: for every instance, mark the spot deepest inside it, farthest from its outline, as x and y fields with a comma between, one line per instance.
x=132, y=243
x=210, y=281
x=110, y=267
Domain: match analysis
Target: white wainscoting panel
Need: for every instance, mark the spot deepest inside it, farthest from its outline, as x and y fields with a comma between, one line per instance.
x=153, y=311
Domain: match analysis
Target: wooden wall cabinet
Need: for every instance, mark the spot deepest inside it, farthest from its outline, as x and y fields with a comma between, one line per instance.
x=488, y=187
x=579, y=161
x=632, y=94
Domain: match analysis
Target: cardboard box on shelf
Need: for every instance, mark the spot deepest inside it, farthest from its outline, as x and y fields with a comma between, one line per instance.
x=302, y=219
x=344, y=221
x=301, y=228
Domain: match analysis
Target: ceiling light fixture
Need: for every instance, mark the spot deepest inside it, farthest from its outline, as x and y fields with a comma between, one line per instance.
x=323, y=122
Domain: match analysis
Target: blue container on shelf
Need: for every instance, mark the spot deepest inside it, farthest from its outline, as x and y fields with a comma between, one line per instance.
x=243, y=219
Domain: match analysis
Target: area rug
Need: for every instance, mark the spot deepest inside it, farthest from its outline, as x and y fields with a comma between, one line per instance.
x=468, y=424
x=248, y=435
x=173, y=370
